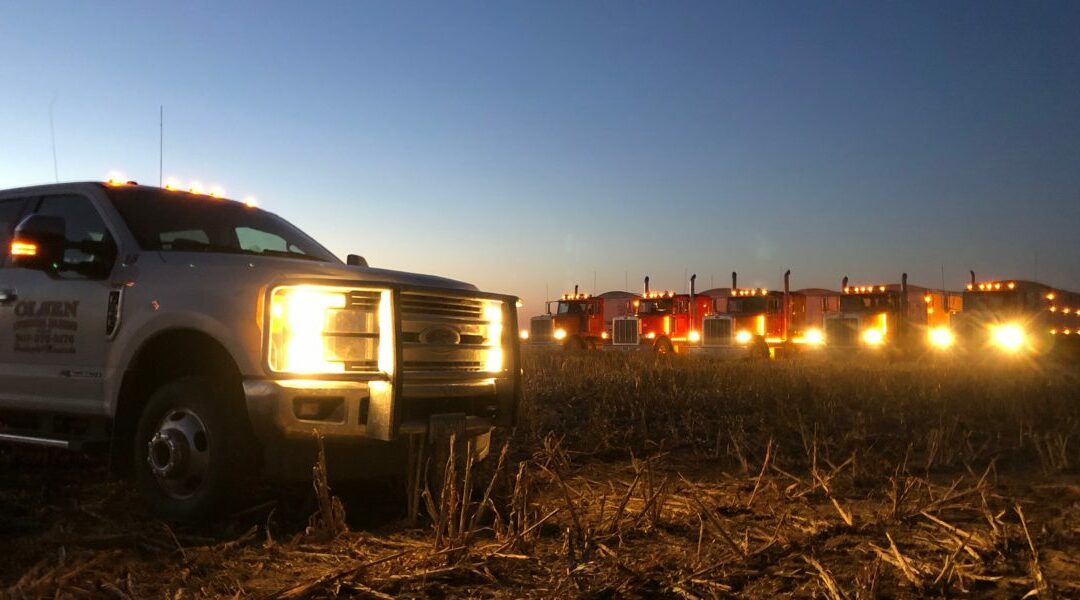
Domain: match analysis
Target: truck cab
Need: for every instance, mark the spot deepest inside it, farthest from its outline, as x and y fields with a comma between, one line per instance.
x=897, y=317
x=664, y=322
x=576, y=323
x=199, y=340
x=1017, y=317
x=759, y=321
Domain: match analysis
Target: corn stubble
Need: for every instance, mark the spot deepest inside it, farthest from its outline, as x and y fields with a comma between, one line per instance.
x=638, y=476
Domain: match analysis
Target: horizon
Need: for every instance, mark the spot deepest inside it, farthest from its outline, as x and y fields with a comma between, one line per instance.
x=527, y=149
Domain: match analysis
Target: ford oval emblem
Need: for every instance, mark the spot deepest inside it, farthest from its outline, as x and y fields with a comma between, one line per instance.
x=440, y=335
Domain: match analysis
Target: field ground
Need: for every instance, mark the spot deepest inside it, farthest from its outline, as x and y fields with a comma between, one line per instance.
x=633, y=477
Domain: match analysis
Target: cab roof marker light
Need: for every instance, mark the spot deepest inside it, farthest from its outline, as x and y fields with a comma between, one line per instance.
x=172, y=184
x=217, y=192
x=195, y=188
x=251, y=202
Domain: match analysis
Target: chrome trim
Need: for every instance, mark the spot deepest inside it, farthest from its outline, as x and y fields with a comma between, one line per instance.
x=36, y=441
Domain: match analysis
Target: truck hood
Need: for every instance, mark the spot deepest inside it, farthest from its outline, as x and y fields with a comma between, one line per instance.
x=291, y=267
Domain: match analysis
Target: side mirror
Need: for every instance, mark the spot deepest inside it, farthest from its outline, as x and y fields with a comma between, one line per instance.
x=355, y=260
x=38, y=242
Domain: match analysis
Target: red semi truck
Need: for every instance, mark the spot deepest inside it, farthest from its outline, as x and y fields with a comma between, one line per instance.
x=579, y=321
x=1016, y=317
x=758, y=321
x=892, y=316
x=664, y=322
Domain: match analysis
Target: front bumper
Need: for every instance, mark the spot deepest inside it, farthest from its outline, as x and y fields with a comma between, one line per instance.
x=283, y=410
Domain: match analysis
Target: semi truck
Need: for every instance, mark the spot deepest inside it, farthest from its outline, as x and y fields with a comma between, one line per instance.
x=663, y=322
x=760, y=322
x=579, y=321
x=1018, y=317
x=898, y=317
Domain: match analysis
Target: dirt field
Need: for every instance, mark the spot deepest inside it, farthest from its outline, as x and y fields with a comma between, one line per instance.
x=632, y=477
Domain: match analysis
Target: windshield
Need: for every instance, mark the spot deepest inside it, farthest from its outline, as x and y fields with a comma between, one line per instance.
x=753, y=305
x=659, y=305
x=866, y=302
x=571, y=308
x=170, y=221
x=991, y=301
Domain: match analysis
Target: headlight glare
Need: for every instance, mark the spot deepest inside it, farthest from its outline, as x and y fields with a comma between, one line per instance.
x=493, y=316
x=319, y=330
x=1009, y=338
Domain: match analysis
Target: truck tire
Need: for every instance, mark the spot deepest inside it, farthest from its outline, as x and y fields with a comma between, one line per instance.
x=194, y=451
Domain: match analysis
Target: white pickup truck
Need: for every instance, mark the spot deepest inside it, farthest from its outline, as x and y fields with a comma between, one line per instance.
x=200, y=341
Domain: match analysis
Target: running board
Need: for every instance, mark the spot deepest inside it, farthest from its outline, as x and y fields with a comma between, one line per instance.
x=37, y=441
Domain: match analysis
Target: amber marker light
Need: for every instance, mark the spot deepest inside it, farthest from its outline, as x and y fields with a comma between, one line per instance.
x=524, y=334
x=23, y=249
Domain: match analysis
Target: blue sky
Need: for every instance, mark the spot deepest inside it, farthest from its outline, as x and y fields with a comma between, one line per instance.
x=527, y=145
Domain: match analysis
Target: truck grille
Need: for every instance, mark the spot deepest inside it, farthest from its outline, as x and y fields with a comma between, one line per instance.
x=541, y=329
x=625, y=331
x=717, y=331
x=842, y=331
x=441, y=308
x=443, y=334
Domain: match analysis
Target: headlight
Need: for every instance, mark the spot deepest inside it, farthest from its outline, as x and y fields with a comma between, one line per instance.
x=873, y=337
x=651, y=335
x=318, y=329
x=560, y=334
x=694, y=337
x=524, y=334
x=743, y=337
x=814, y=337
x=1009, y=338
x=493, y=316
x=941, y=337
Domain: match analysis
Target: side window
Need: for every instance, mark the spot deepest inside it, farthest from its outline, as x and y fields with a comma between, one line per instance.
x=254, y=240
x=90, y=250
x=10, y=210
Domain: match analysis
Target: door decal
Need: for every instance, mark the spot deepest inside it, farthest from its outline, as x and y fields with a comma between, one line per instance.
x=49, y=326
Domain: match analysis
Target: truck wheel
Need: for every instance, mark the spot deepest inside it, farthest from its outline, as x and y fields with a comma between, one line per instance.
x=194, y=451
x=574, y=345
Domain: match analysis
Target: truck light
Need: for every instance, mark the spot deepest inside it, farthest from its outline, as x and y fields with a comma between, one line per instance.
x=23, y=249
x=524, y=334
x=1050, y=296
x=651, y=335
x=172, y=184
x=941, y=337
x=1008, y=337
x=560, y=334
x=493, y=314
x=116, y=179
x=743, y=337
x=873, y=337
x=814, y=337
x=311, y=333
x=195, y=188
x=603, y=335
x=217, y=192
x=251, y=202
x=694, y=336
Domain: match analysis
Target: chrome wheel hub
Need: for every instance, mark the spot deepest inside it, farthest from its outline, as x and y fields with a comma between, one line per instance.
x=179, y=453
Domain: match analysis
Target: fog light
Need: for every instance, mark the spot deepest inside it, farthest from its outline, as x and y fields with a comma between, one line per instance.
x=319, y=408
x=873, y=337
x=941, y=337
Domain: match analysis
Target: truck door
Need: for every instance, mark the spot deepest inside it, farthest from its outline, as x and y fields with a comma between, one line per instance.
x=11, y=211
x=53, y=343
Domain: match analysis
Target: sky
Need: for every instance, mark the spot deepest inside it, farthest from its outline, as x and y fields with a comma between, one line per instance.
x=530, y=146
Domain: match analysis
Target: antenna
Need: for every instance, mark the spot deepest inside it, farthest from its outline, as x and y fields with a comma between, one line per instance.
x=942, y=277
x=594, y=283
x=52, y=135
x=161, y=145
